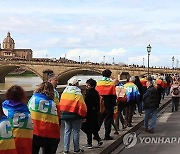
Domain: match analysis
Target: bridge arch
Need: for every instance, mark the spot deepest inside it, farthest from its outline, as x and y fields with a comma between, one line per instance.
x=63, y=77
x=5, y=69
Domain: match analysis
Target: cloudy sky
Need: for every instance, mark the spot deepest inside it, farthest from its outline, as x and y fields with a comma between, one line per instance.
x=95, y=30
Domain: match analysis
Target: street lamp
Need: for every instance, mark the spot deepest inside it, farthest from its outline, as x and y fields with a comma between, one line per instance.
x=177, y=63
x=148, y=51
x=143, y=61
x=113, y=60
x=173, y=62
x=79, y=58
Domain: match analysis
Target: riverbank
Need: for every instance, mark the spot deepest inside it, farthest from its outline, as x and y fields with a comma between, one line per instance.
x=22, y=74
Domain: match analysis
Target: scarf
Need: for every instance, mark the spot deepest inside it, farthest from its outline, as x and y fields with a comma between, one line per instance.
x=72, y=101
x=44, y=115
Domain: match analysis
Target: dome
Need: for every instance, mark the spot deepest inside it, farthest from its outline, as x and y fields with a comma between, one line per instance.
x=8, y=39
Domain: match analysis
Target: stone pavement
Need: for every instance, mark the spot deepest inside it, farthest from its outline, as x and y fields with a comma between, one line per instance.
x=109, y=145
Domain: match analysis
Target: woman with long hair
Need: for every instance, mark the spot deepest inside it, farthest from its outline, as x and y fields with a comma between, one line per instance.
x=45, y=119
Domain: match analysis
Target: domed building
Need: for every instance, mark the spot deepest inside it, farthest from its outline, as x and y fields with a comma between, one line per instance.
x=8, y=50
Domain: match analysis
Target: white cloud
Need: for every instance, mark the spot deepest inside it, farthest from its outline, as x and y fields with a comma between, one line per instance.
x=40, y=54
x=96, y=55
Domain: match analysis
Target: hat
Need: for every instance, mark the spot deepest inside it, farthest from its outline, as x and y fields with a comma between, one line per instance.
x=73, y=81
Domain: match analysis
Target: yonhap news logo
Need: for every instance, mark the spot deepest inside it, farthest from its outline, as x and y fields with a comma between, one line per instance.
x=131, y=139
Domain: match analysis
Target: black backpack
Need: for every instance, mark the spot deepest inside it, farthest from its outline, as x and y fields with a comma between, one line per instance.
x=175, y=91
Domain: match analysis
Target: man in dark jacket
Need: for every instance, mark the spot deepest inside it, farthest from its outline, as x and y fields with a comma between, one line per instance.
x=151, y=103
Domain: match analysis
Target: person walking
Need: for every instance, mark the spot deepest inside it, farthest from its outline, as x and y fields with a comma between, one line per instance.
x=138, y=83
x=121, y=103
x=132, y=95
x=151, y=103
x=175, y=92
x=53, y=79
x=15, y=108
x=73, y=109
x=45, y=119
x=106, y=89
x=90, y=126
x=7, y=143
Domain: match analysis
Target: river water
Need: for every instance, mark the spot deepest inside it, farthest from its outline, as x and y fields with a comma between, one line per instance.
x=30, y=83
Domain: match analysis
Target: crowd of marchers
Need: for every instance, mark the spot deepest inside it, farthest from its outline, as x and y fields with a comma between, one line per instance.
x=26, y=126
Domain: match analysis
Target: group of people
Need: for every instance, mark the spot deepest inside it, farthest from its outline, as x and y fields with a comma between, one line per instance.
x=28, y=125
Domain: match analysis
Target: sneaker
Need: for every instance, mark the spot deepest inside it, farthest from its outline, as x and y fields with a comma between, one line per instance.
x=130, y=125
x=79, y=151
x=100, y=142
x=89, y=146
x=151, y=130
x=108, y=138
x=116, y=133
x=65, y=152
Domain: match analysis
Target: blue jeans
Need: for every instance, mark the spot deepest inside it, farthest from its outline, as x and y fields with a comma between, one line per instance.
x=149, y=112
x=72, y=125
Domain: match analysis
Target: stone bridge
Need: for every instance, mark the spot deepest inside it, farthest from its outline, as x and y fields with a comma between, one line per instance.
x=66, y=70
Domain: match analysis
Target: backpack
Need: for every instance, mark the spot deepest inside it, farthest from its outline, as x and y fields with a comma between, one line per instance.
x=175, y=91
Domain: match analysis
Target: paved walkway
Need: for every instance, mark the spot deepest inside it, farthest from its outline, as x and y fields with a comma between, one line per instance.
x=107, y=145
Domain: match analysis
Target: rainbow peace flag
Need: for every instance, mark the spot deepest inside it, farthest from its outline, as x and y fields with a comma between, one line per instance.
x=143, y=81
x=105, y=86
x=72, y=101
x=21, y=122
x=7, y=144
x=44, y=115
x=132, y=92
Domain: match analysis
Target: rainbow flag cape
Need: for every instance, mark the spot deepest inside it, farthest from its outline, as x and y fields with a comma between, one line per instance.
x=72, y=101
x=21, y=122
x=7, y=144
x=44, y=115
x=132, y=92
x=105, y=86
x=143, y=81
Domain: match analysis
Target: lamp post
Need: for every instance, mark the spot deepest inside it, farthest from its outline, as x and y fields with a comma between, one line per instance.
x=177, y=63
x=148, y=51
x=113, y=60
x=143, y=61
x=173, y=62
x=79, y=58
x=103, y=61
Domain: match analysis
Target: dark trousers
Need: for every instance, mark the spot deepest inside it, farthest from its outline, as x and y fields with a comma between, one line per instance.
x=46, y=143
x=107, y=116
x=121, y=107
x=129, y=111
x=90, y=127
x=175, y=103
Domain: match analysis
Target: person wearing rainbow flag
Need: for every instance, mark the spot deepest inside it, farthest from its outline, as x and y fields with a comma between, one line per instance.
x=53, y=79
x=73, y=109
x=7, y=144
x=45, y=119
x=16, y=110
x=132, y=95
x=106, y=89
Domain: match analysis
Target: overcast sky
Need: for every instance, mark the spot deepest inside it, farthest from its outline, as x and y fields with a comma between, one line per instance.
x=94, y=29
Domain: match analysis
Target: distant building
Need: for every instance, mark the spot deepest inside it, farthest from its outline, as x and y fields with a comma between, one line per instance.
x=8, y=50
